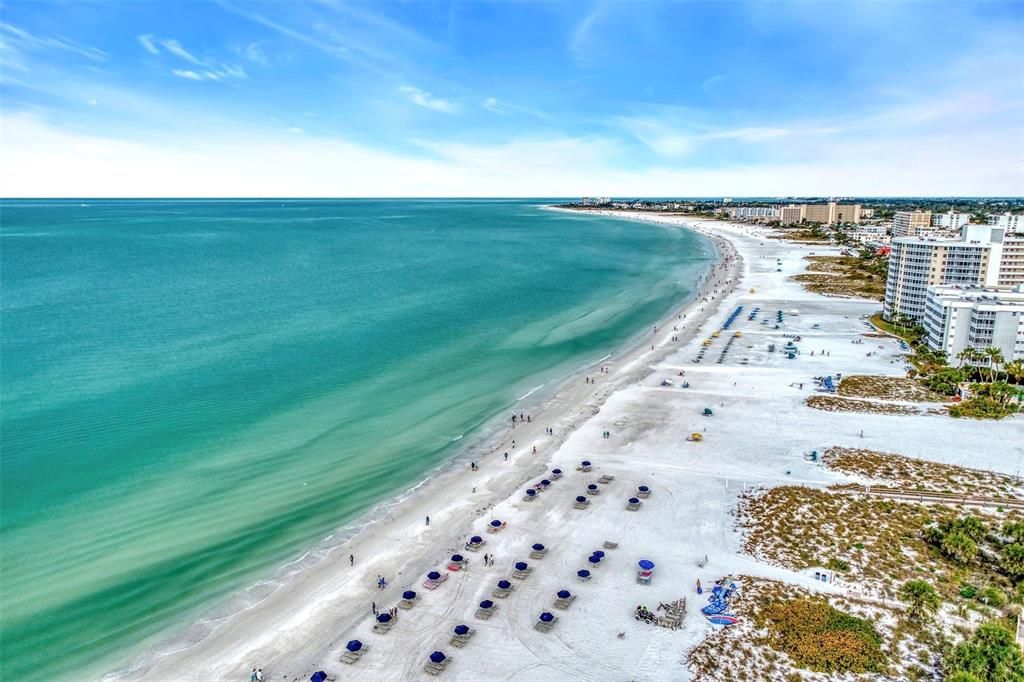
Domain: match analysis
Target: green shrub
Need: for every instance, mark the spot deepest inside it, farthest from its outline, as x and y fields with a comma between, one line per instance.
x=990, y=655
x=968, y=591
x=992, y=596
x=821, y=638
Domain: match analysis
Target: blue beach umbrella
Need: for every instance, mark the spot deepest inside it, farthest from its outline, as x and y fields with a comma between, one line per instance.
x=585, y=463
x=433, y=575
x=437, y=657
x=580, y=498
x=318, y=676
x=504, y=584
x=545, y=483
x=383, y=617
x=583, y=573
x=408, y=594
x=456, y=558
x=354, y=645
x=598, y=553
x=461, y=629
x=564, y=594
x=539, y=547
x=592, y=486
x=495, y=523
x=646, y=565
x=556, y=471
x=547, y=617
x=486, y=604
x=634, y=500
x=594, y=560
x=520, y=565
x=476, y=539
x=531, y=492
x=643, y=489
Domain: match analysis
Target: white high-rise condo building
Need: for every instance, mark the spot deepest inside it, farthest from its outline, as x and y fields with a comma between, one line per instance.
x=950, y=220
x=1011, y=222
x=961, y=317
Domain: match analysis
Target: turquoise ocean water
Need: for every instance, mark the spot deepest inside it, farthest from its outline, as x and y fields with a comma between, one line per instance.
x=193, y=393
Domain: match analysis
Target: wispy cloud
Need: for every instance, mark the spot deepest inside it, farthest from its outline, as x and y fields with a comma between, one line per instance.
x=19, y=38
x=428, y=101
x=253, y=52
x=175, y=48
x=492, y=104
x=149, y=44
x=580, y=39
x=187, y=74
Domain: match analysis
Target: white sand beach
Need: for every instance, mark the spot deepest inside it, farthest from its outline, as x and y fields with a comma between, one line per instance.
x=756, y=437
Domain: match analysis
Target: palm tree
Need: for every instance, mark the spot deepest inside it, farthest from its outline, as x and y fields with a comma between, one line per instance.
x=921, y=598
x=1014, y=370
x=965, y=354
x=995, y=358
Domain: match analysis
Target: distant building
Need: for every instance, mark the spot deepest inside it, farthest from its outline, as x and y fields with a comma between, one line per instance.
x=826, y=214
x=596, y=201
x=950, y=220
x=960, y=317
x=875, y=234
x=750, y=213
x=1011, y=222
x=983, y=256
x=912, y=223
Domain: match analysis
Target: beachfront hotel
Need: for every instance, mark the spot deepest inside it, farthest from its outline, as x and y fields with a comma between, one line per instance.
x=960, y=317
x=826, y=214
x=912, y=223
x=983, y=256
x=950, y=220
x=1011, y=222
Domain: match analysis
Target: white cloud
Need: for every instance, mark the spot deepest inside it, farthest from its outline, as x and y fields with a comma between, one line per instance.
x=428, y=101
x=296, y=131
x=254, y=53
x=22, y=39
x=493, y=104
x=176, y=48
x=188, y=74
x=149, y=44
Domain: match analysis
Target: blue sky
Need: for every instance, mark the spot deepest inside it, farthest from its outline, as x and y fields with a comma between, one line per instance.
x=336, y=98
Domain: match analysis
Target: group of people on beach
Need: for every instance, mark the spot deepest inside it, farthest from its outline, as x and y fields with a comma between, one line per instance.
x=521, y=418
x=381, y=582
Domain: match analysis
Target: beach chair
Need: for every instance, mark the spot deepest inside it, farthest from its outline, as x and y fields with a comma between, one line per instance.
x=408, y=602
x=585, y=468
x=522, y=574
x=581, y=502
x=608, y=544
x=432, y=583
x=565, y=603
x=485, y=612
x=592, y=489
x=606, y=478
x=530, y=495
x=643, y=492
x=384, y=628
x=460, y=641
x=502, y=592
x=538, y=553
x=475, y=543
x=436, y=669
x=353, y=656
x=545, y=625
x=633, y=506
x=495, y=529
x=644, y=577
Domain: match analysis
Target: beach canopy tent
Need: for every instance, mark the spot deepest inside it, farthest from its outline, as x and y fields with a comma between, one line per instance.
x=318, y=676
x=495, y=523
x=598, y=553
x=383, y=617
x=580, y=498
x=556, y=471
x=531, y=492
x=583, y=573
x=476, y=539
x=408, y=594
x=547, y=617
x=504, y=584
x=461, y=629
x=545, y=482
x=433, y=575
x=634, y=500
x=708, y=412
x=594, y=560
x=564, y=594
x=437, y=657
x=585, y=462
x=456, y=557
x=592, y=486
x=486, y=604
x=643, y=489
x=520, y=565
x=646, y=565
x=354, y=645
x=538, y=547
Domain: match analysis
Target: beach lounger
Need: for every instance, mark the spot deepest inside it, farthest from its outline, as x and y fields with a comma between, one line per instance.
x=538, y=553
x=383, y=628
x=437, y=668
x=432, y=584
x=642, y=494
x=633, y=506
x=593, y=491
x=461, y=640
x=351, y=657
x=408, y=603
x=475, y=546
x=453, y=567
x=610, y=545
x=495, y=529
x=522, y=575
x=565, y=603
x=529, y=498
x=584, y=469
x=545, y=626
x=502, y=593
x=485, y=614
x=607, y=478
x=581, y=505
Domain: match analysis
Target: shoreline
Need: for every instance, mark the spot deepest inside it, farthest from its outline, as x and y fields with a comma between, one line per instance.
x=567, y=407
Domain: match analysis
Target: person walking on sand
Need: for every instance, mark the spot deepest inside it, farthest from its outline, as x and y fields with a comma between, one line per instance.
x=259, y=675
x=373, y=607
x=351, y=560
x=428, y=520
x=506, y=456
x=252, y=678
